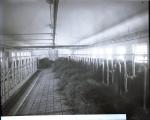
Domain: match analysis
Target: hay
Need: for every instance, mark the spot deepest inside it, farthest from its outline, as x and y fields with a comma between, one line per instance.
x=85, y=91
x=44, y=63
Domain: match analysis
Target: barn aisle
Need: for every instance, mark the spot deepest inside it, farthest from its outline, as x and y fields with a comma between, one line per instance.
x=44, y=97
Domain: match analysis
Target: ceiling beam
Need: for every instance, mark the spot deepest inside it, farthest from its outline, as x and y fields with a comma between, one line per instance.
x=25, y=39
x=17, y=34
x=28, y=43
x=57, y=46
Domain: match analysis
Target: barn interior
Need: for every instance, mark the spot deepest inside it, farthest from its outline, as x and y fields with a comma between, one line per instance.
x=74, y=57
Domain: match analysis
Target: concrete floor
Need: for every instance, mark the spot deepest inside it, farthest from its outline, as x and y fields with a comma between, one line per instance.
x=44, y=99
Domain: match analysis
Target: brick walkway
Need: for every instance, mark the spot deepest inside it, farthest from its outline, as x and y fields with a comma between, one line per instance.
x=44, y=98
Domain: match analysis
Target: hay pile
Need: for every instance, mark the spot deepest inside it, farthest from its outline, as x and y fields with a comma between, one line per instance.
x=86, y=93
x=44, y=63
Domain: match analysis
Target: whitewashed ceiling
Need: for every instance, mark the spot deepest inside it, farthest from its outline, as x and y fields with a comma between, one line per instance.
x=77, y=20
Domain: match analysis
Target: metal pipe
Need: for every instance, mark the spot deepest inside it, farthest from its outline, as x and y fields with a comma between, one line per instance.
x=125, y=76
x=145, y=87
x=103, y=65
x=133, y=65
x=55, y=19
x=119, y=74
x=107, y=72
x=112, y=64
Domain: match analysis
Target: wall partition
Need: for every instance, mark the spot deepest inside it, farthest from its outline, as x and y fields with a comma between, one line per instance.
x=16, y=69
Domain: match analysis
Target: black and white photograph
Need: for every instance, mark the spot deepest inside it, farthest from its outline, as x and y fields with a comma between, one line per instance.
x=74, y=59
